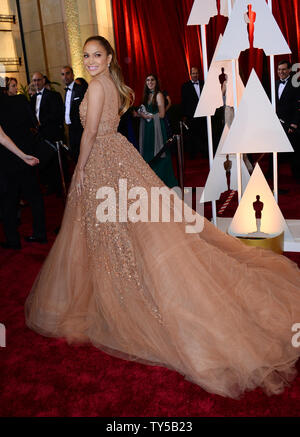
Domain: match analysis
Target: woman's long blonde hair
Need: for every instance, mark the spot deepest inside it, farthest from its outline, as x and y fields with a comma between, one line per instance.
x=126, y=93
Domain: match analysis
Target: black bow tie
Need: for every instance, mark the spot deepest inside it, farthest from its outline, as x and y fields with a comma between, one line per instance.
x=195, y=83
x=39, y=94
x=67, y=88
x=283, y=82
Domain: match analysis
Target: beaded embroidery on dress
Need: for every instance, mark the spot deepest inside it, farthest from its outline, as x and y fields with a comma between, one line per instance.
x=205, y=305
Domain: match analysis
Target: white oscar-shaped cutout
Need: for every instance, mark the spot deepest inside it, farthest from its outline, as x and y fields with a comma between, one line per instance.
x=267, y=34
x=272, y=222
x=256, y=127
x=218, y=87
x=202, y=11
x=224, y=7
x=217, y=183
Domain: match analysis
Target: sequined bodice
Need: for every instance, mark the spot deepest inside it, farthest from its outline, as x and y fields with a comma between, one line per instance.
x=109, y=119
x=112, y=159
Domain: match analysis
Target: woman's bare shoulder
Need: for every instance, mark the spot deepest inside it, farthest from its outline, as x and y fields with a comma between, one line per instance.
x=96, y=84
x=160, y=97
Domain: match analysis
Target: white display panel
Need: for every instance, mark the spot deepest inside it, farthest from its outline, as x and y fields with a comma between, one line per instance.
x=256, y=127
x=211, y=96
x=267, y=34
x=272, y=220
x=216, y=182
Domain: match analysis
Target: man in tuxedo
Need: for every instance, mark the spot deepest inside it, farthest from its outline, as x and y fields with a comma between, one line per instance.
x=190, y=94
x=48, y=108
x=287, y=109
x=73, y=98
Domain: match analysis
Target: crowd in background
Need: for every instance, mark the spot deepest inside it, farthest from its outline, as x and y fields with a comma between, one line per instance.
x=39, y=122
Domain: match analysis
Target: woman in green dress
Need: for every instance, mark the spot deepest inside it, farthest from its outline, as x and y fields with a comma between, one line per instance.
x=153, y=134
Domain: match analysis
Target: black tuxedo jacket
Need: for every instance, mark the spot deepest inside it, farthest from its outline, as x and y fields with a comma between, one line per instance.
x=189, y=98
x=78, y=93
x=51, y=115
x=287, y=107
x=16, y=120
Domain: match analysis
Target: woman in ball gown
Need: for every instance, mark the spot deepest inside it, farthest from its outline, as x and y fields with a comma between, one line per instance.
x=153, y=132
x=203, y=304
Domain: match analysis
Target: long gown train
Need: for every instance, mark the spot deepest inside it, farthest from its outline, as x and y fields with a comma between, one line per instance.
x=203, y=304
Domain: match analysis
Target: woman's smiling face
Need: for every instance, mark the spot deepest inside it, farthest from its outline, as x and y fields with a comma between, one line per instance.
x=151, y=83
x=95, y=58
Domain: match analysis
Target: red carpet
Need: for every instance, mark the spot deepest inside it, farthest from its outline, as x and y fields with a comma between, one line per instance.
x=46, y=377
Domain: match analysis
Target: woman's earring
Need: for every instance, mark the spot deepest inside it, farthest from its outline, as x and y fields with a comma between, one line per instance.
x=108, y=65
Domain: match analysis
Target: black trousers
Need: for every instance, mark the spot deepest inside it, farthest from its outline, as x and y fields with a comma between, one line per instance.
x=292, y=158
x=196, y=137
x=22, y=183
x=50, y=176
x=75, y=134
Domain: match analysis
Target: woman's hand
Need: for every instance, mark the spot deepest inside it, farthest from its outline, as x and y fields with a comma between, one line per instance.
x=79, y=180
x=147, y=116
x=30, y=160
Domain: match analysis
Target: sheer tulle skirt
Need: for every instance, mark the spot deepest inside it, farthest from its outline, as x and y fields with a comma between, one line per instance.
x=205, y=305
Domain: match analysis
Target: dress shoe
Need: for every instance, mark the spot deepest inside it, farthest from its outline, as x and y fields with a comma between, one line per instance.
x=33, y=239
x=6, y=245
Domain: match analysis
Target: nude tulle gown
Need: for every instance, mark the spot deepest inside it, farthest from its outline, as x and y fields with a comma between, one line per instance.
x=204, y=304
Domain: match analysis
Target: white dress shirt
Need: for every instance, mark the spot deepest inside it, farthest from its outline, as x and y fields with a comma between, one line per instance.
x=38, y=103
x=68, y=103
x=197, y=88
x=281, y=87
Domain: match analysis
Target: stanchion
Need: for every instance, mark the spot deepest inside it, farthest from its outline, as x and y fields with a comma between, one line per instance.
x=180, y=162
x=180, y=155
x=62, y=176
x=182, y=125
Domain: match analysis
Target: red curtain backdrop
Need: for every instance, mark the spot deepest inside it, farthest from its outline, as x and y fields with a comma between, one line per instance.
x=152, y=37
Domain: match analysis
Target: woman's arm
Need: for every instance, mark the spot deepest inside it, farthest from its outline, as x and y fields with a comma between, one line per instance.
x=161, y=105
x=168, y=98
x=141, y=114
x=146, y=117
x=10, y=145
x=94, y=111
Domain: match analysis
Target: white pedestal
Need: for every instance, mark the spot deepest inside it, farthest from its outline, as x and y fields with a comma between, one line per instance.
x=293, y=245
x=290, y=245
